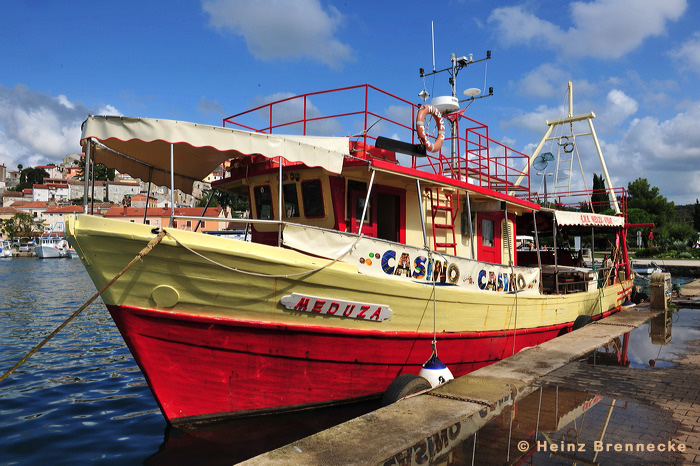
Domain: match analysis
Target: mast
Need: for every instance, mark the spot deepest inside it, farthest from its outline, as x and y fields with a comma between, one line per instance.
x=571, y=119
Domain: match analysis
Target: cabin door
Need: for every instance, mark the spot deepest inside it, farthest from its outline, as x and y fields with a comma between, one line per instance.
x=488, y=232
x=357, y=203
x=385, y=218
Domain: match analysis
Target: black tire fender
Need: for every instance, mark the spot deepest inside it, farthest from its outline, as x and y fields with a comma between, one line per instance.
x=582, y=321
x=402, y=386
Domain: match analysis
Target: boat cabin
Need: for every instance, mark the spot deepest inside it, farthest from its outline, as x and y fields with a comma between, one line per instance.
x=420, y=208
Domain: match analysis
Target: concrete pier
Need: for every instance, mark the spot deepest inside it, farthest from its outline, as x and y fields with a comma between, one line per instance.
x=471, y=400
x=676, y=267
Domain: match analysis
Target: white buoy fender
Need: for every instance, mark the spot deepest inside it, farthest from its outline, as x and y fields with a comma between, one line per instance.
x=435, y=372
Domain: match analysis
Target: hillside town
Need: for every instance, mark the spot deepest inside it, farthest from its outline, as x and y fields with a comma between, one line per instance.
x=59, y=192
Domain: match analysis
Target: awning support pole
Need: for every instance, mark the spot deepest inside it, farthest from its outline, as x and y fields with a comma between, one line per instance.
x=86, y=176
x=422, y=214
x=281, y=207
x=364, y=208
x=204, y=212
x=172, y=184
x=471, y=228
x=556, y=259
x=92, y=177
x=537, y=245
x=148, y=194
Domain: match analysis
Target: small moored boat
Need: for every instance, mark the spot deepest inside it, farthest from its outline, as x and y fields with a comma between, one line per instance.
x=52, y=245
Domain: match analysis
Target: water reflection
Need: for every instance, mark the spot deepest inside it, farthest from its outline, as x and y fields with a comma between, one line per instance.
x=552, y=425
x=231, y=441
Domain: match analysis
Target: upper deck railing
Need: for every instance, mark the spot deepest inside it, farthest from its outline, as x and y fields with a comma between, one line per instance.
x=591, y=200
x=468, y=155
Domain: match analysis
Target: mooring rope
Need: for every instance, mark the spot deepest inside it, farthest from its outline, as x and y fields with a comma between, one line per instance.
x=256, y=274
x=149, y=247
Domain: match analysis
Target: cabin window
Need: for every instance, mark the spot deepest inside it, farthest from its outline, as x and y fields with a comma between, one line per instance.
x=312, y=196
x=487, y=233
x=291, y=200
x=263, y=202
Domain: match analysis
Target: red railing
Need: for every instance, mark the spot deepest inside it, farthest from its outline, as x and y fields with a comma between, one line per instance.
x=470, y=156
x=583, y=200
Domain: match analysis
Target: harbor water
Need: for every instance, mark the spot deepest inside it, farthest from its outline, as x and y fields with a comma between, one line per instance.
x=82, y=398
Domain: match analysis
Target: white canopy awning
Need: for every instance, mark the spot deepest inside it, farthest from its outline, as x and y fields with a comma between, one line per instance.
x=140, y=147
x=565, y=218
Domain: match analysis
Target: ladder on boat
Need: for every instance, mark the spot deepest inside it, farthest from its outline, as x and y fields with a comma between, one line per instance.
x=443, y=209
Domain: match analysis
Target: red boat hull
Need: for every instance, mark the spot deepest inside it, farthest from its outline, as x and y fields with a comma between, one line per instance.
x=213, y=367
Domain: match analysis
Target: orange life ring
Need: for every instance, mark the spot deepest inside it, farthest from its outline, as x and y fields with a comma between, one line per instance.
x=420, y=128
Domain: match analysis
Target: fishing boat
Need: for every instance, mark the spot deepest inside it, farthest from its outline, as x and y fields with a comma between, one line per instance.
x=367, y=254
x=52, y=245
x=5, y=249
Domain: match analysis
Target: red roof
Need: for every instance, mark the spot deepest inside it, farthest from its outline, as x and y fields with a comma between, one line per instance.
x=11, y=210
x=65, y=209
x=26, y=191
x=12, y=194
x=30, y=204
x=97, y=182
x=47, y=186
x=160, y=211
x=124, y=183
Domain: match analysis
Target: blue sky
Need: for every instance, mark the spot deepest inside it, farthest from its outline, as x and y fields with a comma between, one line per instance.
x=635, y=63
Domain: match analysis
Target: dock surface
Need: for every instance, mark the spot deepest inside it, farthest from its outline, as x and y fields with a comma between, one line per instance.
x=471, y=400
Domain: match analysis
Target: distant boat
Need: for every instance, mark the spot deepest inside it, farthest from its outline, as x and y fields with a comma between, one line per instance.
x=5, y=249
x=653, y=267
x=53, y=245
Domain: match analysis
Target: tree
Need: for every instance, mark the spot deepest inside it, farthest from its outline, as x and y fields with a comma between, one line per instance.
x=599, y=199
x=21, y=225
x=696, y=215
x=28, y=177
x=102, y=173
x=669, y=229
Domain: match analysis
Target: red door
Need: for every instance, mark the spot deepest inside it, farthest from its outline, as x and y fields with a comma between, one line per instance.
x=357, y=203
x=488, y=236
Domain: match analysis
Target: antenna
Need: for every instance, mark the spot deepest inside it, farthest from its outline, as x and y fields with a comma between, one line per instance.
x=432, y=28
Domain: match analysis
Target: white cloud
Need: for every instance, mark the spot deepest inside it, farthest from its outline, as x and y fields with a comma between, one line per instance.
x=109, y=110
x=39, y=128
x=619, y=106
x=63, y=100
x=689, y=53
x=667, y=153
x=283, y=28
x=601, y=28
x=543, y=81
x=535, y=121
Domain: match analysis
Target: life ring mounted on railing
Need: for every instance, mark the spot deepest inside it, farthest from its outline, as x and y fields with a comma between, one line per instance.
x=423, y=112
